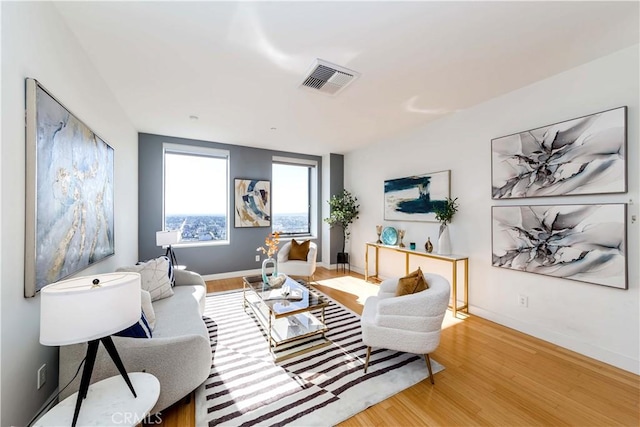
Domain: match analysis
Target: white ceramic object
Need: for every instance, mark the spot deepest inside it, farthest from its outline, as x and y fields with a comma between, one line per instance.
x=444, y=242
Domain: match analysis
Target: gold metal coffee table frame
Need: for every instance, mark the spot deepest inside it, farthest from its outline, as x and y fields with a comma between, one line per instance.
x=452, y=259
x=286, y=321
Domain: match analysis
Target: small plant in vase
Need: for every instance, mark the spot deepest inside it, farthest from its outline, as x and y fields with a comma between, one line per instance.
x=270, y=249
x=444, y=215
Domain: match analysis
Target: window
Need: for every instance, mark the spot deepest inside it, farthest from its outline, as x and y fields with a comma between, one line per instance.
x=196, y=199
x=293, y=195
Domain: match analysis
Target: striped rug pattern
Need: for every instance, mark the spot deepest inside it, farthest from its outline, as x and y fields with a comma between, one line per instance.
x=319, y=388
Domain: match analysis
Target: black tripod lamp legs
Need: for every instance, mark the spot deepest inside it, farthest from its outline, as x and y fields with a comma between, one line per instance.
x=92, y=351
x=172, y=256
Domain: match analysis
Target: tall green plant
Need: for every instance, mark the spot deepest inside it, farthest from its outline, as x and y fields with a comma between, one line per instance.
x=344, y=210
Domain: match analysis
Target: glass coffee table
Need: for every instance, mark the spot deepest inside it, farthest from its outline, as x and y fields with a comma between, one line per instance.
x=287, y=319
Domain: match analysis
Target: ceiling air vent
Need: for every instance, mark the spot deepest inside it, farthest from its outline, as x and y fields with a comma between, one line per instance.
x=328, y=78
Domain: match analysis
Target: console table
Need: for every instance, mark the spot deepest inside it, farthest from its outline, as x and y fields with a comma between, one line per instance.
x=452, y=259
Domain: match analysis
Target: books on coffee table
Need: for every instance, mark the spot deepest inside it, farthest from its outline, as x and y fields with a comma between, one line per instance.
x=280, y=293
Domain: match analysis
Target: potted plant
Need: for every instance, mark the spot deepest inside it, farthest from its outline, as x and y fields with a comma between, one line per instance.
x=344, y=210
x=444, y=215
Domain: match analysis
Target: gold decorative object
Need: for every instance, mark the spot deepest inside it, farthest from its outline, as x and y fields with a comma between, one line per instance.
x=270, y=247
x=401, y=235
x=379, y=231
x=428, y=246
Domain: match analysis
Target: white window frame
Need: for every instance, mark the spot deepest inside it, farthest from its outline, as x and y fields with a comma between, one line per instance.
x=313, y=194
x=195, y=150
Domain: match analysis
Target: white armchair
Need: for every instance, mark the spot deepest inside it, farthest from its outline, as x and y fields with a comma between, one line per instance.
x=409, y=323
x=297, y=268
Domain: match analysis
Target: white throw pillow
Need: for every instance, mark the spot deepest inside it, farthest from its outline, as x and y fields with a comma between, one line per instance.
x=147, y=308
x=155, y=277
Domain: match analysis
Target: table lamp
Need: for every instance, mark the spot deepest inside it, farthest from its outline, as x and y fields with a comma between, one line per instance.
x=168, y=238
x=90, y=309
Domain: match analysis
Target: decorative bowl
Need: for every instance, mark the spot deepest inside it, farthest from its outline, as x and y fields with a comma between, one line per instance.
x=389, y=236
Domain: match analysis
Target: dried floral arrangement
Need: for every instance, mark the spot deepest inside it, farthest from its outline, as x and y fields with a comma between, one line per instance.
x=271, y=242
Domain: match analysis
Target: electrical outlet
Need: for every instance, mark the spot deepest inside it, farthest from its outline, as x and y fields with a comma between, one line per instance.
x=257, y=258
x=523, y=301
x=42, y=376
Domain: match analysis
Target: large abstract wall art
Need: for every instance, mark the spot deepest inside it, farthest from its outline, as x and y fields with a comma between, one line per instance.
x=252, y=203
x=69, y=193
x=580, y=156
x=415, y=198
x=578, y=242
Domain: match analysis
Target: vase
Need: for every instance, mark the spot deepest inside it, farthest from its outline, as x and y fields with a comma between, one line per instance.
x=265, y=264
x=444, y=241
x=428, y=246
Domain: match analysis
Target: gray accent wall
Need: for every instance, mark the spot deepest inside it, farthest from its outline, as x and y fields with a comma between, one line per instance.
x=244, y=162
x=336, y=185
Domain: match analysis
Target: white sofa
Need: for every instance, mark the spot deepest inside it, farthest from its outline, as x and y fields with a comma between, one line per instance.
x=179, y=354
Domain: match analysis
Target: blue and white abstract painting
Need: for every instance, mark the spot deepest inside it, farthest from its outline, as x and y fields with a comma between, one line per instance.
x=415, y=198
x=72, y=194
x=253, y=203
x=577, y=242
x=580, y=156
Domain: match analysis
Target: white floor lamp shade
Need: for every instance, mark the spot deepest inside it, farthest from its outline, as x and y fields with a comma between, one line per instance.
x=168, y=238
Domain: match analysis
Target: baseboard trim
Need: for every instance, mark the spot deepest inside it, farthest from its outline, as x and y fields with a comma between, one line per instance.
x=232, y=274
x=618, y=360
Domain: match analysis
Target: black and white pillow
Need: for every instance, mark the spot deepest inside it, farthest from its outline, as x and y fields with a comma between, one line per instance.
x=140, y=329
x=171, y=274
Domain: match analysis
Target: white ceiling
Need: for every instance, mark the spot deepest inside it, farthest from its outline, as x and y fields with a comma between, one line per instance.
x=238, y=65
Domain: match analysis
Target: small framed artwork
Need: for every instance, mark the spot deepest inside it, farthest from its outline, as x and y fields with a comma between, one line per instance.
x=578, y=242
x=415, y=198
x=252, y=203
x=586, y=155
x=69, y=192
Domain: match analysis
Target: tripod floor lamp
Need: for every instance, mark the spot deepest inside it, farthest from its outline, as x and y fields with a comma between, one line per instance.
x=90, y=309
x=168, y=238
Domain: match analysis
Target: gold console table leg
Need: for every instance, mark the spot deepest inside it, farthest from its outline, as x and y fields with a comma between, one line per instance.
x=366, y=263
x=454, y=286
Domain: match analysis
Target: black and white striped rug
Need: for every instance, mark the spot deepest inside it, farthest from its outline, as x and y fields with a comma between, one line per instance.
x=319, y=388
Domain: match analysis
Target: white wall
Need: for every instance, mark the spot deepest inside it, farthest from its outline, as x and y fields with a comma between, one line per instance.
x=597, y=321
x=37, y=44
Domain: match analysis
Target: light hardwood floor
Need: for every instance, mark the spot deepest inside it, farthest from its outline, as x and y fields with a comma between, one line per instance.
x=494, y=376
